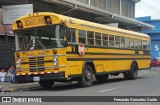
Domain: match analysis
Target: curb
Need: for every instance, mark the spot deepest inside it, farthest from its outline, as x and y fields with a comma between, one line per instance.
x=13, y=89
x=18, y=89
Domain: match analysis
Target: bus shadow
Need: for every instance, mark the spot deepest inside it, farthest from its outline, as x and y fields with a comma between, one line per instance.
x=114, y=80
x=64, y=87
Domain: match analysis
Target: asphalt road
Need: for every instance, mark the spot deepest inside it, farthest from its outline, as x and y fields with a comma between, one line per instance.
x=147, y=84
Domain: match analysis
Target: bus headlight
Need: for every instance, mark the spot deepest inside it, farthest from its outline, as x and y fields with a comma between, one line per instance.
x=55, y=60
x=18, y=63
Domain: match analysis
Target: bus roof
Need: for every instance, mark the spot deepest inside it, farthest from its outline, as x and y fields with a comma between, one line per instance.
x=84, y=23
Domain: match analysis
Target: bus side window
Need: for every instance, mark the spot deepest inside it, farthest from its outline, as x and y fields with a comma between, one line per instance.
x=90, y=36
x=148, y=45
x=132, y=43
x=127, y=43
x=72, y=35
x=136, y=44
x=117, y=41
x=111, y=40
x=122, y=42
x=144, y=44
x=98, y=38
x=105, y=40
x=82, y=36
x=140, y=44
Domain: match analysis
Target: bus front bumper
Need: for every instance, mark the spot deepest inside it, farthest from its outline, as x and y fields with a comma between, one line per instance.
x=30, y=78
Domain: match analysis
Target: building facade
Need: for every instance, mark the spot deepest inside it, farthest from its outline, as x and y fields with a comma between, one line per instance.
x=122, y=7
x=99, y=11
x=154, y=35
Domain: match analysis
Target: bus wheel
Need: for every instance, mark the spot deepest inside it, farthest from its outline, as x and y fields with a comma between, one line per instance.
x=46, y=83
x=86, y=79
x=132, y=74
x=102, y=78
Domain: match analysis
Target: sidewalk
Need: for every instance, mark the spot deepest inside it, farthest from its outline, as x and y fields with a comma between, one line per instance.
x=11, y=87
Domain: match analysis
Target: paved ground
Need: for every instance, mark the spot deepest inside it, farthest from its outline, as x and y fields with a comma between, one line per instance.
x=10, y=87
x=147, y=84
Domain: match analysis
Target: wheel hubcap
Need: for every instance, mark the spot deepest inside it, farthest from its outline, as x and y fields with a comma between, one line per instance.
x=88, y=75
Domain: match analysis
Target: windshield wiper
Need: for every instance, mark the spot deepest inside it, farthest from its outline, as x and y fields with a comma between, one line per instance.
x=42, y=45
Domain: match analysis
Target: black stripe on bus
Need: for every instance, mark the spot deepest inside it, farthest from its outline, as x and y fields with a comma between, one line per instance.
x=118, y=71
x=146, y=52
x=112, y=72
x=83, y=59
x=99, y=73
x=92, y=53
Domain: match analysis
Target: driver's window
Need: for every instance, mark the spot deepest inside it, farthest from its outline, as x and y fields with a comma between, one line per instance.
x=72, y=35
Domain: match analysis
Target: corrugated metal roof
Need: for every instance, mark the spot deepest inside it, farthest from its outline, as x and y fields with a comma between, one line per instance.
x=115, y=17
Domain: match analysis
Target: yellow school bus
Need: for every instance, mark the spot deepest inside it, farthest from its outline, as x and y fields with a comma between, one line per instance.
x=52, y=47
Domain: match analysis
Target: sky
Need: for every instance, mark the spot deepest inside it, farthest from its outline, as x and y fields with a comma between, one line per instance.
x=148, y=8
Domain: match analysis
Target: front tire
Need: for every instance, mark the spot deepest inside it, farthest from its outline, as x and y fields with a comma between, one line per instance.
x=86, y=79
x=132, y=74
x=46, y=83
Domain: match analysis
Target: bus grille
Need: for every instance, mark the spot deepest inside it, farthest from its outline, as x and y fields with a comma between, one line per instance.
x=36, y=64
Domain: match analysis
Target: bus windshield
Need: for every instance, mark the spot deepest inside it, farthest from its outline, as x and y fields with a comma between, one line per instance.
x=39, y=38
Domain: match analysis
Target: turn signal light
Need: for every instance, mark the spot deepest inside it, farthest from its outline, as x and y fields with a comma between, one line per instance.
x=19, y=24
x=17, y=55
x=19, y=70
x=48, y=20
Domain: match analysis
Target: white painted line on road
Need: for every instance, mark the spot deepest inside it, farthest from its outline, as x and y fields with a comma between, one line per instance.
x=109, y=89
x=146, y=72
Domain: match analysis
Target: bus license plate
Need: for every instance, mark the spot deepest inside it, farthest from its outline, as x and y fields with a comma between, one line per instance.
x=36, y=78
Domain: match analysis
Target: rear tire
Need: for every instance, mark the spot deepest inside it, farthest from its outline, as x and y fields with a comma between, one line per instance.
x=46, y=83
x=86, y=79
x=102, y=78
x=132, y=74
